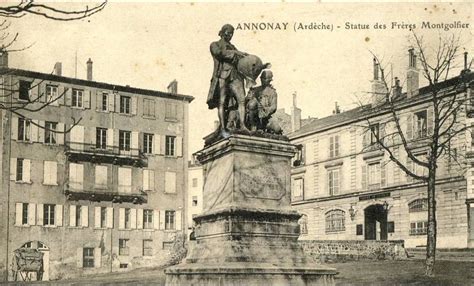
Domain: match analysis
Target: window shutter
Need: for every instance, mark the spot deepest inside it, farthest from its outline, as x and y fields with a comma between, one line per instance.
x=331, y=147
x=60, y=136
x=97, y=217
x=409, y=166
x=121, y=218
x=34, y=131
x=133, y=218
x=110, y=138
x=68, y=93
x=84, y=216
x=178, y=216
x=72, y=215
x=13, y=169
x=41, y=131
x=33, y=91
x=162, y=219
x=146, y=179
x=14, y=132
x=87, y=99
x=134, y=140
x=61, y=95
x=409, y=130
x=31, y=214
x=156, y=219
x=110, y=217
x=111, y=102
x=151, y=180
x=179, y=146
x=97, y=257
x=382, y=133
x=117, y=102
x=42, y=92
x=364, y=177
x=365, y=139
x=79, y=253
x=39, y=212
x=163, y=145
x=429, y=121
x=140, y=218
x=58, y=213
x=19, y=214
x=156, y=144
x=134, y=105
x=98, y=101
x=26, y=170
x=337, y=147
x=383, y=178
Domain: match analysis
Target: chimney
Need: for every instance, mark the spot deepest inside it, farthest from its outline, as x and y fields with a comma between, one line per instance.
x=3, y=59
x=396, y=89
x=89, y=69
x=295, y=115
x=173, y=87
x=336, y=110
x=379, y=91
x=58, y=69
x=412, y=74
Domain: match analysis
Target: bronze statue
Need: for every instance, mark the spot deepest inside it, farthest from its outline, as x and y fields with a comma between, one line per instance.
x=227, y=89
x=261, y=103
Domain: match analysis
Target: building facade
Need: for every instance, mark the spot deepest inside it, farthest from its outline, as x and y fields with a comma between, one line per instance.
x=347, y=188
x=93, y=174
x=195, y=192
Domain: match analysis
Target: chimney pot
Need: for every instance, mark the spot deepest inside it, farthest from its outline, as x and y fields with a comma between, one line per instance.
x=412, y=74
x=3, y=58
x=173, y=87
x=89, y=69
x=58, y=68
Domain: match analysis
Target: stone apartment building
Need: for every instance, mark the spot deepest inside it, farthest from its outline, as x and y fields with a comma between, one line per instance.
x=194, y=194
x=348, y=189
x=108, y=194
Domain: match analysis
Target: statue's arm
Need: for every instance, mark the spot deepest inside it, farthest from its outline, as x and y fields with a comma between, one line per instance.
x=221, y=53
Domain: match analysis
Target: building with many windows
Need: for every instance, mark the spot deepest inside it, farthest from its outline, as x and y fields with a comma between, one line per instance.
x=195, y=193
x=348, y=188
x=95, y=179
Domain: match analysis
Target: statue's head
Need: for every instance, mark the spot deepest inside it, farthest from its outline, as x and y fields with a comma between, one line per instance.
x=266, y=77
x=226, y=32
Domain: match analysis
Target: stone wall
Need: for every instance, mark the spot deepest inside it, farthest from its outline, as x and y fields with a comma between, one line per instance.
x=346, y=250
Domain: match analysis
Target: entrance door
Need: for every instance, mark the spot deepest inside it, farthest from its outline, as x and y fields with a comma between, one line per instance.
x=375, y=222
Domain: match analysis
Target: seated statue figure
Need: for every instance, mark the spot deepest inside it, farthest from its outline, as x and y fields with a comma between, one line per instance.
x=261, y=103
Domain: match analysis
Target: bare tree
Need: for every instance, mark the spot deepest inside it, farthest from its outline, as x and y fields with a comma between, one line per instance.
x=446, y=99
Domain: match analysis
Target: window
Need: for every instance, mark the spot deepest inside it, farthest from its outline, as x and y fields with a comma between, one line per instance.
x=421, y=129
x=101, y=176
x=333, y=182
x=359, y=229
x=374, y=174
x=147, y=247
x=24, y=90
x=171, y=111
x=124, y=180
x=88, y=257
x=147, y=219
x=298, y=188
x=335, y=221
x=78, y=216
x=76, y=176
x=104, y=103
x=125, y=102
x=103, y=217
x=123, y=265
x=127, y=220
x=418, y=205
x=23, y=129
x=101, y=138
x=124, y=140
x=50, y=132
x=24, y=214
x=169, y=220
x=51, y=94
x=50, y=173
x=374, y=133
x=148, y=180
x=195, y=201
x=19, y=169
x=147, y=143
x=167, y=245
x=123, y=247
x=334, y=146
x=48, y=214
x=418, y=228
x=77, y=96
x=195, y=182
x=170, y=142
x=148, y=107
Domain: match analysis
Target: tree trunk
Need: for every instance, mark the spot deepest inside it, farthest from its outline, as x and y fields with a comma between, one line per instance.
x=431, y=233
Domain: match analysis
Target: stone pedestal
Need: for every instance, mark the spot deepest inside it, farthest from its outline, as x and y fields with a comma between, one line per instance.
x=247, y=234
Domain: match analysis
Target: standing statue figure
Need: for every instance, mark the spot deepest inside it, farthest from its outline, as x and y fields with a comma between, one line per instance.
x=227, y=84
x=261, y=103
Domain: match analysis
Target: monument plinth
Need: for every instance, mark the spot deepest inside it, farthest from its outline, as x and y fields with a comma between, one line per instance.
x=247, y=234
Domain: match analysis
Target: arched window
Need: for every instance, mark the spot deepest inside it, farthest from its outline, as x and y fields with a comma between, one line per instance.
x=418, y=205
x=335, y=221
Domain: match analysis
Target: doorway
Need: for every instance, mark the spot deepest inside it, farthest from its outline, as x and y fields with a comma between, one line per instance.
x=375, y=222
x=41, y=247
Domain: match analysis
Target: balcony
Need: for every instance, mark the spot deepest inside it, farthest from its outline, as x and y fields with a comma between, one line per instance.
x=123, y=194
x=80, y=152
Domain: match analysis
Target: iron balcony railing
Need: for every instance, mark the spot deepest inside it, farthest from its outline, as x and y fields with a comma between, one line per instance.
x=75, y=191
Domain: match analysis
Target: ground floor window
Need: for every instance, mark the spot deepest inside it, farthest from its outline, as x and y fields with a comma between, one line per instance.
x=123, y=247
x=147, y=247
x=88, y=257
x=335, y=221
x=418, y=227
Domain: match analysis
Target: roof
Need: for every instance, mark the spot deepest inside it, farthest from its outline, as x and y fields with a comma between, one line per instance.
x=317, y=125
x=95, y=84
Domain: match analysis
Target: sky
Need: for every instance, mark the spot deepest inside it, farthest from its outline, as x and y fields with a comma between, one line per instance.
x=148, y=45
